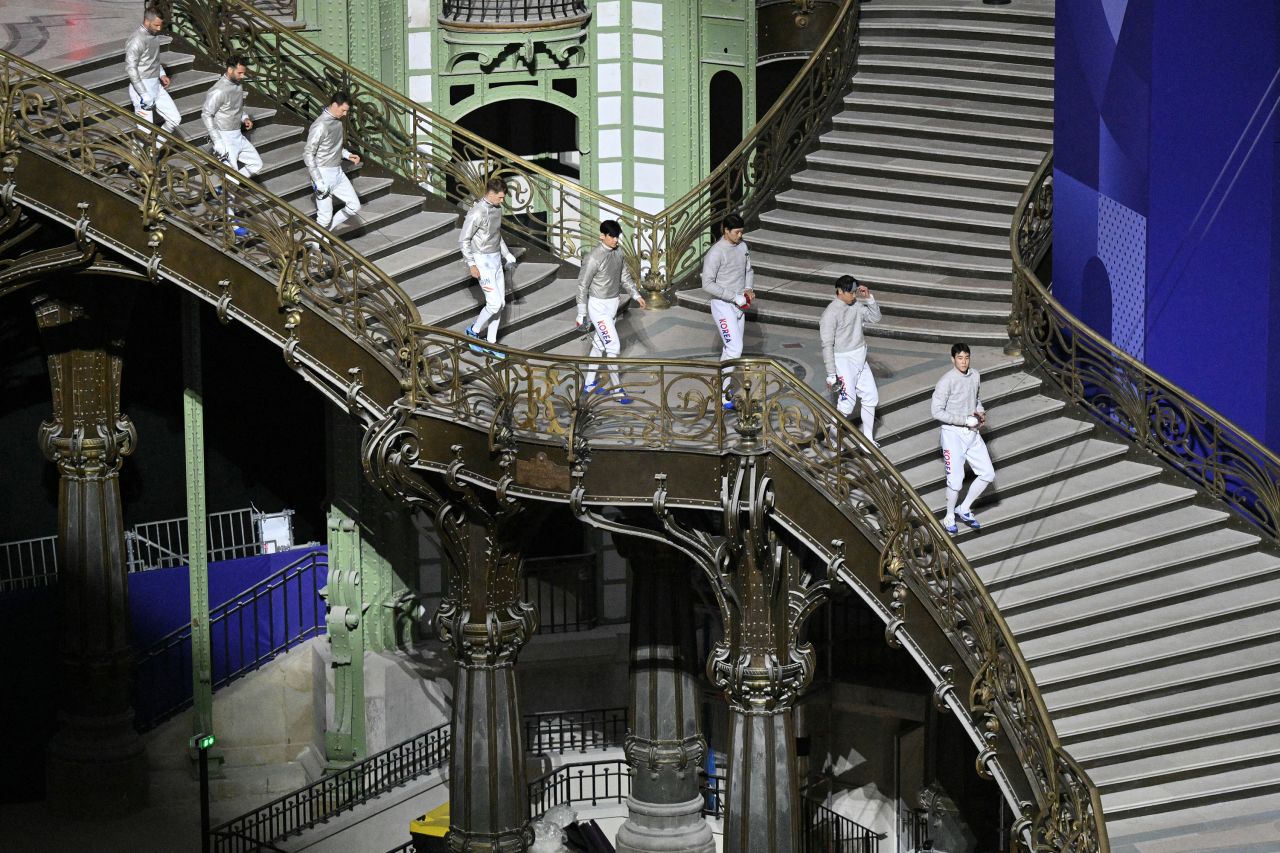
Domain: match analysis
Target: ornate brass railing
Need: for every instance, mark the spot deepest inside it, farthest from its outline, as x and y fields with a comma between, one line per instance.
x=1125, y=394
x=537, y=396
x=546, y=209
x=177, y=185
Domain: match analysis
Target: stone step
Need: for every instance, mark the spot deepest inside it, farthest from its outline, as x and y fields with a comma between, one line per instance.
x=824, y=274
x=1041, y=16
x=1008, y=443
x=908, y=394
x=295, y=188
x=1150, y=772
x=391, y=223
x=1162, y=738
x=109, y=76
x=1240, y=823
x=1099, y=697
x=1093, y=545
x=900, y=188
x=771, y=291
x=970, y=176
x=999, y=394
x=1025, y=35
x=1190, y=703
x=961, y=68
x=956, y=130
x=1146, y=592
x=1010, y=115
x=1161, y=619
x=413, y=263
x=924, y=46
x=1199, y=641
x=819, y=223
x=783, y=241
x=1003, y=543
x=548, y=334
x=997, y=93
x=861, y=212
x=977, y=152
x=1029, y=488
x=526, y=301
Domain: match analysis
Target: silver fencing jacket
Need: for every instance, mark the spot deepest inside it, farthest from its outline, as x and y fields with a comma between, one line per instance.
x=481, y=233
x=142, y=57
x=223, y=107
x=603, y=275
x=323, y=149
x=841, y=328
x=955, y=397
x=726, y=270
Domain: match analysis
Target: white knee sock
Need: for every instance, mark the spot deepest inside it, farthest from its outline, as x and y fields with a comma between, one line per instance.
x=868, y=421
x=484, y=317
x=975, y=489
x=952, y=496
x=493, y=328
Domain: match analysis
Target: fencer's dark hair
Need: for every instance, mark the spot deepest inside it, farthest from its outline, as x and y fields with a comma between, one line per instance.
x=495, y=185
x=340, y=97
x=732, y=222
x=611, y=228
x=847, y=284
x=152, y=14
x=959, y=347
x=236, y=59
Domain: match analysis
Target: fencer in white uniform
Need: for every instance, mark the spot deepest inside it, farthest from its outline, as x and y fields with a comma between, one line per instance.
x=323, y=153
x=148, y=82
x=728, y=277
x=484, y=252
x=958, y=407
x=225, y=118
x=844, y=350
x=601, y=281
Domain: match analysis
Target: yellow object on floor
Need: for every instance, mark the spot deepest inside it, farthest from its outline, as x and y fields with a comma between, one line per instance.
x=429, y=830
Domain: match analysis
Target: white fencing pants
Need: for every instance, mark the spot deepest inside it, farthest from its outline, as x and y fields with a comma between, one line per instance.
x=730, y=324
x=961, y=445
x=340, y=188
x=161, y=104
x=494, y=284
x=603, y=313
x=240, y=153
x=855, y=377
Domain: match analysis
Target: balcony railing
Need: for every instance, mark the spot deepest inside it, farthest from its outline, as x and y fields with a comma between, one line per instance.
x=567, y=731
x=511, y=11
x=28, y=563
x=564, y=591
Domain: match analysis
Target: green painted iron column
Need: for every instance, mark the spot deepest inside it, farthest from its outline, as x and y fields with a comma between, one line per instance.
x=197, y=546
x=344, y=739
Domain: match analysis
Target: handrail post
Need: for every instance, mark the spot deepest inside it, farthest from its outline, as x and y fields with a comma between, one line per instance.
x=344, y=741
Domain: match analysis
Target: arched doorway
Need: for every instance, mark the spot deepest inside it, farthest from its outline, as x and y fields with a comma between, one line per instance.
x=726, y=116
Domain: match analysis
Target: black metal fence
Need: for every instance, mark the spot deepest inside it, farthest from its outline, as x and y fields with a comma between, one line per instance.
x=825, y=831
x=362, y=781
x=268, y=618
x=566, y=731
x=713, y=788
x=511, y=11
x=564, y=590
x=593, y=782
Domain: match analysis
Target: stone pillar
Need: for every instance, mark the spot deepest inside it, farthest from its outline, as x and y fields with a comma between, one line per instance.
x=485, y=623
x=665, y=747
x=96, y=762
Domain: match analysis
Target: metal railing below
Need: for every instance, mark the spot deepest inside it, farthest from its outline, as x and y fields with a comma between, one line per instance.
x=164, y=544
x=511, y=11
x=824, y=830
x=581, y=730
x=565, y=592
x=312, y=804
x=265, y=620
x=593, y=782
x=28, y=563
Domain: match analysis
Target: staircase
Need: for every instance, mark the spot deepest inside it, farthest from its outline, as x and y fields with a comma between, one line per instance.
x=1147, y=612
x=412, y=238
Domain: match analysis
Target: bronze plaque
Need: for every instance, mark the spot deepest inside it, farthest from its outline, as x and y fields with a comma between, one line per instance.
x=541, y=473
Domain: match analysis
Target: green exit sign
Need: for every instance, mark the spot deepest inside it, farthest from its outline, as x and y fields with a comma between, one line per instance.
x=201, y=741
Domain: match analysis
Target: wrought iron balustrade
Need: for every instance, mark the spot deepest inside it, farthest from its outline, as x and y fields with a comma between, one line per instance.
x=824, y=830
x=333, y=794
x=532, y=396
x=28, y=563
x=564, y=590
x=265, y=620
x=592, y=782
x=511, y=11
x=1122, y=392
x=579, y=730
x=547, y=210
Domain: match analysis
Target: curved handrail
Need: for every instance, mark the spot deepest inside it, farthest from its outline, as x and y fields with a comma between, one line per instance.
x=175, y=183
x=1189, y=435
x=546, y=209
x=537, y=396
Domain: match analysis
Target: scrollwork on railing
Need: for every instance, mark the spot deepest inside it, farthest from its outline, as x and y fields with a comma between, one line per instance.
x=177, y=186
x=545, y=209
x=675, y=406
x=1126, y=395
